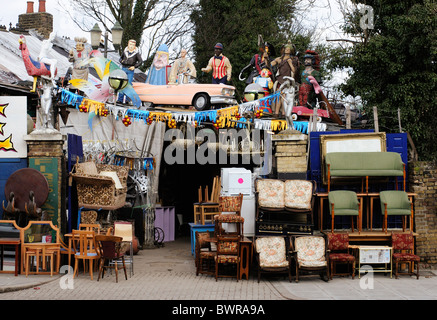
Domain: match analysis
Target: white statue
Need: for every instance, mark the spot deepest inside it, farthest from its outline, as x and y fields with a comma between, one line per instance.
x=288, y=91
x=43, y=57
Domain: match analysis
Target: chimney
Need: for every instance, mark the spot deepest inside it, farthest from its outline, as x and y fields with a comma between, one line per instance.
x=42, y=6
x=29, y=7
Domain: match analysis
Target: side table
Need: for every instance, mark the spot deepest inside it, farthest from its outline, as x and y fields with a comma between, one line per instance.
x=15, y=242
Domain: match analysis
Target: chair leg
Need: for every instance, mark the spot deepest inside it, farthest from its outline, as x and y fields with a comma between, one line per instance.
x=124, y=268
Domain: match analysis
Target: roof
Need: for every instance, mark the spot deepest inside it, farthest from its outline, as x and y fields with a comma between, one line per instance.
x=13, y=73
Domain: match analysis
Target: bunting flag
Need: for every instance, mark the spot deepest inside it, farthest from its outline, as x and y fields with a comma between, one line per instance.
x=229, y=117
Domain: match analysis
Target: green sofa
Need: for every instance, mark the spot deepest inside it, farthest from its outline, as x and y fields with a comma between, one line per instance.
x=364, y=164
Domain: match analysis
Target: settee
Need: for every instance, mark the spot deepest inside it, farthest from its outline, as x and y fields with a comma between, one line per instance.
x=100, y=186
x=365, y=165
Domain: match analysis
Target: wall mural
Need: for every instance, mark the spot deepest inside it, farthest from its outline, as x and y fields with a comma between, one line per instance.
x=13, y=127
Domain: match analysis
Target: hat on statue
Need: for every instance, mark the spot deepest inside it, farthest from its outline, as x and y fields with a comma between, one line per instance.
x=218, y=46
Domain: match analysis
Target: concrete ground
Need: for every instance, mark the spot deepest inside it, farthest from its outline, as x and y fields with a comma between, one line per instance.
x=168, y=273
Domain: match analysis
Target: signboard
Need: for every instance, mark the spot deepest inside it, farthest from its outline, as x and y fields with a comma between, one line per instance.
x=13, y=127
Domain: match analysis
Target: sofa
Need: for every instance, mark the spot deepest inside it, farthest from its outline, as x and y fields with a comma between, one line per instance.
x=100, y=186
x=365, y=165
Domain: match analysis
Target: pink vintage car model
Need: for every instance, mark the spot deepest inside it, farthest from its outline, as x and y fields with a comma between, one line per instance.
x=201, y=96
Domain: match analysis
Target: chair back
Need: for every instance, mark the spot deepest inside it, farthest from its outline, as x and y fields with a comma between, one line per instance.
x=124, y=229
x=84, y=243
x=90, y=227
x=109, y=246
x=228, y=245
x=88, y=217
x=231, y=203
x=338, y=241
x=310, y=250
x=299, y=194
x=397, y=202
x=271, y=251
x=402, y=241
x=343, y=200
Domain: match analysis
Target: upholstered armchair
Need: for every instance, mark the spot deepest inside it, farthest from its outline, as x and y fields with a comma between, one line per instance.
x=309, y=253
x=345, y=203
x=396, y=203
x=272, y=255
x=339, y=253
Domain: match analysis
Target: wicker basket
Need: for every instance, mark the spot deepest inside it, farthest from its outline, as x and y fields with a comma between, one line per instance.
x=95, y=191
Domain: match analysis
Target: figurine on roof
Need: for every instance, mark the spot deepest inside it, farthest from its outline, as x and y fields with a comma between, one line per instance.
x=44, y=54
x=220, y=65
x=182, y=68
x=78, y=55
x=287, y=66
x=130, y=59
x=158, y=71
x=307, y=95
x=259, y=62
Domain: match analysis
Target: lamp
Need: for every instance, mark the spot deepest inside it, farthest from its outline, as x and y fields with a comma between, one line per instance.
x=118, y=80
x=117, y=34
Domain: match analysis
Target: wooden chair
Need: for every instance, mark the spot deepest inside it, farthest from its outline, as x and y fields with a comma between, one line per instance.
x=209, y=207
x=403, y=252
x=396, y=203
x=84, y=245
x=231, y=205
x=228, y=252
x=272, y=255
x=309, y=253
x=204, y=256
x=345, y=203
x=338, y=252
x=90, y=227
x=109, y=249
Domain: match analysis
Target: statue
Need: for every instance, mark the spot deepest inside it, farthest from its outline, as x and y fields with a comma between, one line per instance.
x=220, y=66
x=182, y=67
x=43, y=57
x=288, y=66
x=288, y=91
x=77, y=56
x=307, y=95
x=158, y=71
x=130, y=59
x=259, y=62
x=45, y=70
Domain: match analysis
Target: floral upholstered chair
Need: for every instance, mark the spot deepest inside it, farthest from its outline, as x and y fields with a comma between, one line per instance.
x=272, y=255
x=310, y=255
x=403, y=251
x=271, y=194
x=204, y=257
x=228, y=252
x=338, y=252
x=230, y=213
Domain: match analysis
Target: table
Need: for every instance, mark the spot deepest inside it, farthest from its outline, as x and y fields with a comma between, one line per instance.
x=374, y=255
x=46, y=249
x=14, y=242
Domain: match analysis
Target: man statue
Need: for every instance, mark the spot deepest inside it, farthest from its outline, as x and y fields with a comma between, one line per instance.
x=307, y=95
x=77, y=56
x=130, y=59
x=182, y=67
x=220, y=66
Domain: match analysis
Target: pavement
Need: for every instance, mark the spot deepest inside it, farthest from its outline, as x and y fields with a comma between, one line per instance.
x=168, y=273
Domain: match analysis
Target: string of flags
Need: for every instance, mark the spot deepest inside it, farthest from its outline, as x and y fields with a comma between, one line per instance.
x=229, y=117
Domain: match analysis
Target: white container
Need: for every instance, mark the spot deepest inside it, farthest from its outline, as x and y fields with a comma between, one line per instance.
x=235, y=181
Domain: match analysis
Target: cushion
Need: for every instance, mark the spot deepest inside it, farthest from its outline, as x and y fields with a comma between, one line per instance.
x=227, y=258
x=405, y=257
x=341, y=257
x=271, y=193
x=310, y=251
x=272, y=252
x=298, y=194
x=229, y=218
x=113, y=175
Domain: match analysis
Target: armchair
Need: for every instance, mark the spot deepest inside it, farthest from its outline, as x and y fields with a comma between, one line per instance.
x=309, y=253
x=396, y=203
x=344, y=203
x=271, y=253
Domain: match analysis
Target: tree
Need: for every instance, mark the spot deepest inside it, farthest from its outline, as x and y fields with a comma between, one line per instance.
x=149, y=22
x=394, y=68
